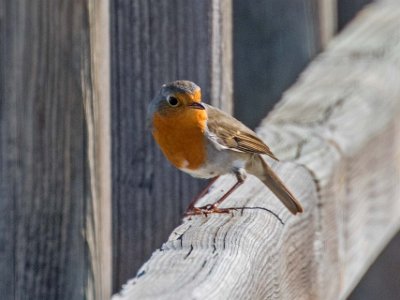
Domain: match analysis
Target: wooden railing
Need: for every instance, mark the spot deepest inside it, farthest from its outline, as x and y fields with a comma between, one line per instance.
x=337, y=134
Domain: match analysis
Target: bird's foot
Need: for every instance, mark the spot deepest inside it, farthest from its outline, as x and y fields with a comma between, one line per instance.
x=206, y=210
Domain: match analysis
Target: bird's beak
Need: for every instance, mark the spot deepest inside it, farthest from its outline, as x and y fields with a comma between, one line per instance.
x=197, y=105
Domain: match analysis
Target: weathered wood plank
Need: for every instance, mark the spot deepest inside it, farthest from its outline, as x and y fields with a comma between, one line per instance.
x=154, y=42
x=327, y=20
x=96, y=88
x=46, y=200
x=337, y=132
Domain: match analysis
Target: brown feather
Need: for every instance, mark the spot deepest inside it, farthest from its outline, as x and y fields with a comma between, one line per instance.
x=275, y=184
x=233, y=134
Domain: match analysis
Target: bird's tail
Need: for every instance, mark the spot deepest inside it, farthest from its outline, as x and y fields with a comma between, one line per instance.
x=273, y=182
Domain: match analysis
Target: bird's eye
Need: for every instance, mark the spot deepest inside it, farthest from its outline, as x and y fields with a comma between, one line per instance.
x=172, y=101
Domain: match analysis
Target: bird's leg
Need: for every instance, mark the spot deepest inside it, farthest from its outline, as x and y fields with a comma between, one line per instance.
x=213, y=208
x=191, y=208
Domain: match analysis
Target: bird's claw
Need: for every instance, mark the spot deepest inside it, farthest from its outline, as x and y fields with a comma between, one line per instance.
x=206, y=210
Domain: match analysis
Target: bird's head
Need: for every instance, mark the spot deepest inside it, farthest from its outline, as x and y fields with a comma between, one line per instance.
x=177, y=98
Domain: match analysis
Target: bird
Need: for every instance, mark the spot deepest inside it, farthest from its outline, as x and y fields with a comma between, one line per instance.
x=206, y=142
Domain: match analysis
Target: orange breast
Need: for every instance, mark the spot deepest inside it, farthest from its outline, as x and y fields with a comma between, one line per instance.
x=181, y=137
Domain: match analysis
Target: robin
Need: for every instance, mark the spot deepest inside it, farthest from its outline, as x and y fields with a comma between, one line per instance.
x=206, y=142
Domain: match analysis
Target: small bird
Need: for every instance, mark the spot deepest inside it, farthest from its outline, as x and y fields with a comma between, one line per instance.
x=206, y=142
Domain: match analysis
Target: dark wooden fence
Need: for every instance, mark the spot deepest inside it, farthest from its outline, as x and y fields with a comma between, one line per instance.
x=79, y=182
x=44, y=182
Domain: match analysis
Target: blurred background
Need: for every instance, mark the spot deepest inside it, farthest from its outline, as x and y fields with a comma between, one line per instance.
x=48, y=116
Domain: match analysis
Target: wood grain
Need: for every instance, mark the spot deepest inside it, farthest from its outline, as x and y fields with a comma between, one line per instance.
x=154, y=42
x=327, y=20
x=337, y=134
x=45, y=178
x=96, y=87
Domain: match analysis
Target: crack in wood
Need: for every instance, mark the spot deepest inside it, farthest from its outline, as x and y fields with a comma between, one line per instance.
x=314, y=178
x=299, y=149
x=142, y=273
x=190, y=251
x=331, y=109
x=212, y=268
x=180, y=237
x=216, y=233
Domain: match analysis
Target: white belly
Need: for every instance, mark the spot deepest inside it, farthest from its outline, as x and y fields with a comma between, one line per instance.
x=219, y=162
x=213, y=169
x=201, y=172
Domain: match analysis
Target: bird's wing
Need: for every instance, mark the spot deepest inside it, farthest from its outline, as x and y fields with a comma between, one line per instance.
x=226, y=132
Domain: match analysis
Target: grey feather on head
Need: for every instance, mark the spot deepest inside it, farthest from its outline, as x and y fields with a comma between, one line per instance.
x=184, y=86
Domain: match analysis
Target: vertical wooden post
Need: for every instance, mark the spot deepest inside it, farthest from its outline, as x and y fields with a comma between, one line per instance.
x=221, y=77
x=96, y=87
x=154, y=42
x=52, y=198
x=327, y=20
